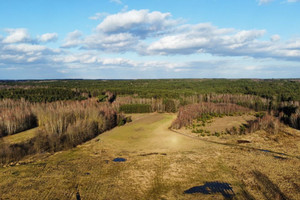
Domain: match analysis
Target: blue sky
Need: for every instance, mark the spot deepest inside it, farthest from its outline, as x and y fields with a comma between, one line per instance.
x=132, y=39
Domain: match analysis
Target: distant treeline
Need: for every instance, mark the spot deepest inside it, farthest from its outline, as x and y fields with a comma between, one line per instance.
x=41, y=94
x=276, y=90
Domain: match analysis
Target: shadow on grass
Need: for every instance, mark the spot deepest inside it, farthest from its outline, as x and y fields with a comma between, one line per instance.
x=269, y=189
x=78, y=196
x=213, y=187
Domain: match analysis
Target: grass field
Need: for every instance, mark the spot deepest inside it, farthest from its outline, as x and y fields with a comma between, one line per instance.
x=160, y=164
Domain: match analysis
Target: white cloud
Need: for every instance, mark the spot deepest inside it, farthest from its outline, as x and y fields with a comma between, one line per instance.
x=73, y=39
x=150, y=33
x=48, y=37
x=294, y=44
x=123, y=31
x=137, y=22
x=17, y=35
x=203, y=38
x=275, y=38
x=24, y=48
x=129, y=32
x=24, y=53
x=118, y=42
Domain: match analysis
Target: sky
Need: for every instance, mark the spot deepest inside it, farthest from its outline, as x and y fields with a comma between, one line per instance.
x=149, y=39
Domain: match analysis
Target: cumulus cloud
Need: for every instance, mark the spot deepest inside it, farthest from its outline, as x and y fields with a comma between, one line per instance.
x=21, y=35
x=129, y=32
x=48, y=37
x=146, y=33
x=138, y=22
x=25, y=53
x=18, y=47
x=275, y=38
x=24, y=48
x=123, y=31
x=205, y=38
x=119, y=42
x=17, y=35
x=73, y=39
x=294, y=45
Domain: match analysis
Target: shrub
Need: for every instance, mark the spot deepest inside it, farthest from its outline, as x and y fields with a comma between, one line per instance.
x=242, y=129
x=268, y=123
x=260, y=114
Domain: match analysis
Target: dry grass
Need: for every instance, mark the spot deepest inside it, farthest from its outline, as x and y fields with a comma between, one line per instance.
x=20, y=137
x=160, y=165
x=227, y=122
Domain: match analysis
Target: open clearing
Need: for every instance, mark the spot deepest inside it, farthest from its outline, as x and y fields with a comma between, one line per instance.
x=160, y=164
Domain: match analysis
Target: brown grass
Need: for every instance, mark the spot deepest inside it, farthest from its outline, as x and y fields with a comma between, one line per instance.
x=20, y=137
x=186, y=162
x=227, y=122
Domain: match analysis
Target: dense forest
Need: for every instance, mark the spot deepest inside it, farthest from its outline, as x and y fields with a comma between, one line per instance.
x=52, y=90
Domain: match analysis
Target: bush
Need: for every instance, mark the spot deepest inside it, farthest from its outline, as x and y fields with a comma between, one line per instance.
x=267, y=123
x=260, y=114
x=242, y=129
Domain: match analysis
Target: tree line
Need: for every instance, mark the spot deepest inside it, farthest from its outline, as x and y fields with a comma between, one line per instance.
x=41, y=94
x=277, y=90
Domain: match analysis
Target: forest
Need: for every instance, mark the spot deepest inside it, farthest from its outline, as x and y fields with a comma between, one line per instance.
x=42, y=90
